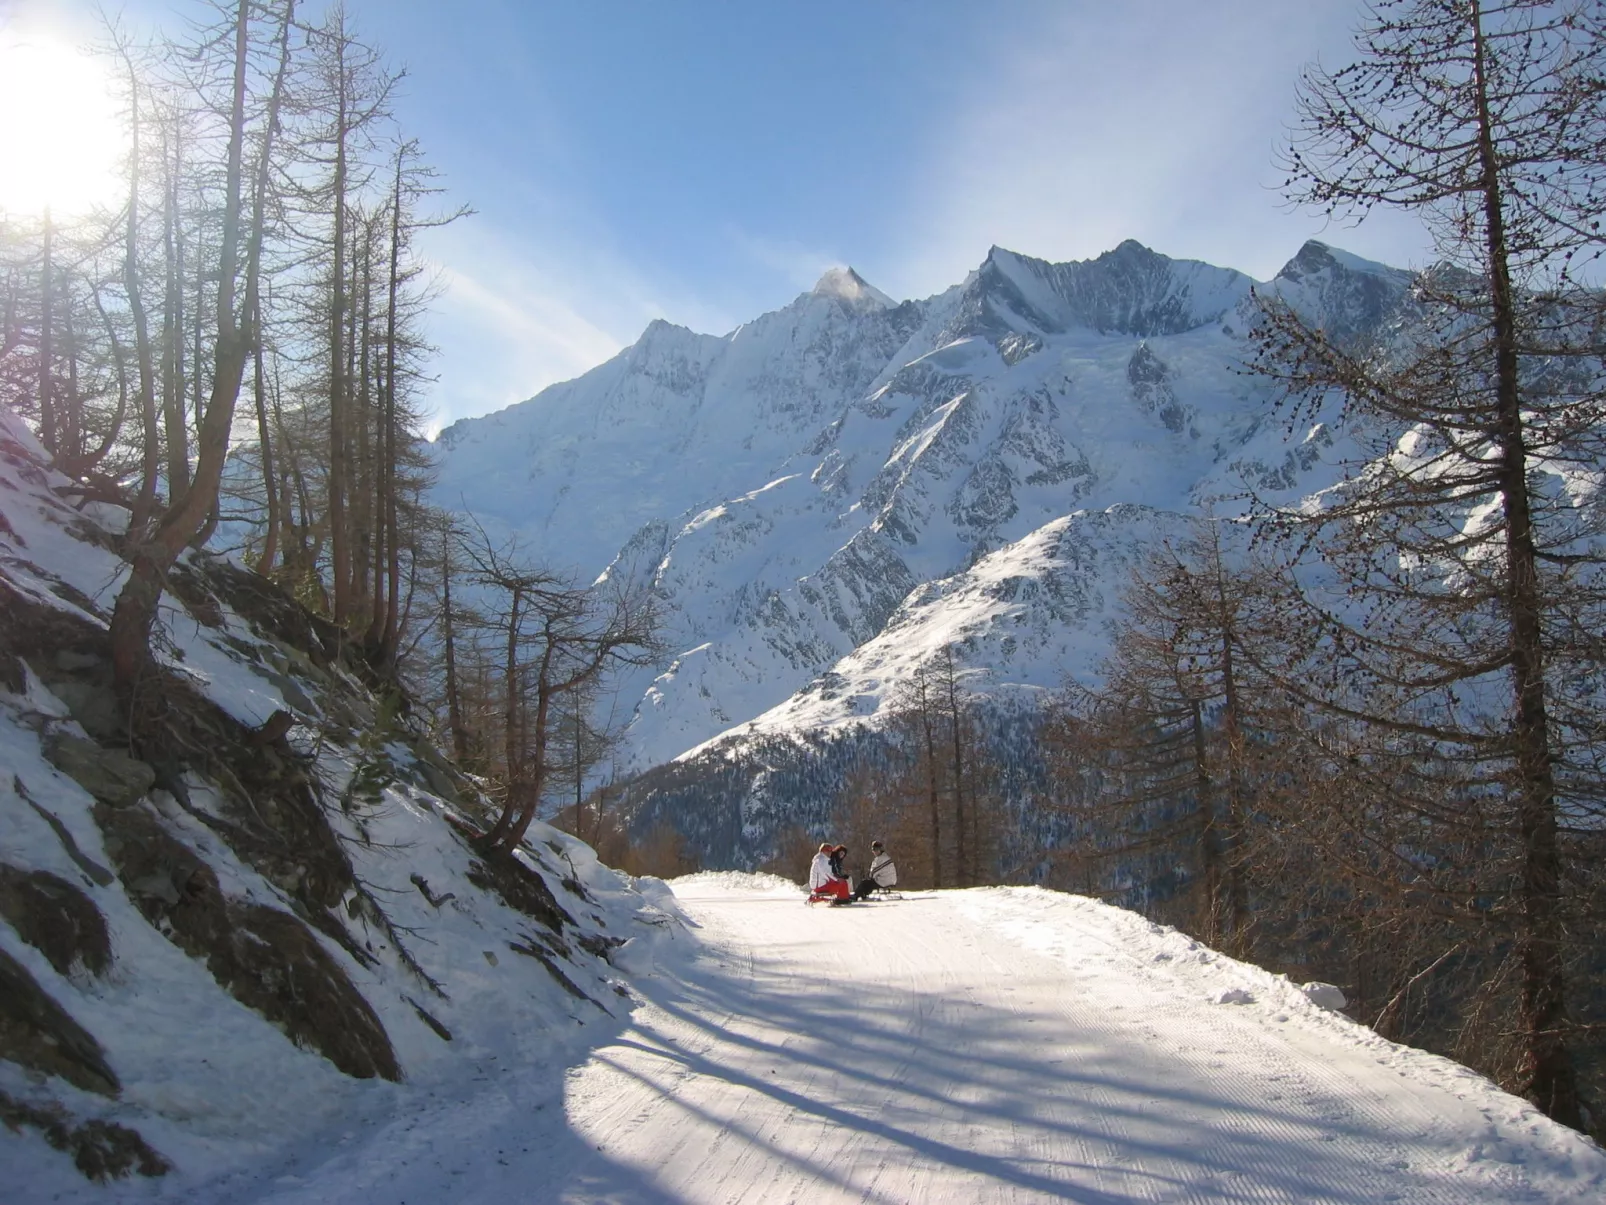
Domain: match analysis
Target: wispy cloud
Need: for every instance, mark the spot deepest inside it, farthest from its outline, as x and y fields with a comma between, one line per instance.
x=799, y=265
x=517, y=314
x=518, y=339
x=1147, y=120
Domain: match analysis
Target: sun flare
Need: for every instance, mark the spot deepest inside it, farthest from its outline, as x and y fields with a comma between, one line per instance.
x=61, y=133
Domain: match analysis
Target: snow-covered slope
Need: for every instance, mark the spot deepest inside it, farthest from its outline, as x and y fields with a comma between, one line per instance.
x=220, y=952
x=848, y=478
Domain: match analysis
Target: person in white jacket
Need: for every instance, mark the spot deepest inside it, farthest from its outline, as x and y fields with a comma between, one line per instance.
x=824, y=884
x=883, y=874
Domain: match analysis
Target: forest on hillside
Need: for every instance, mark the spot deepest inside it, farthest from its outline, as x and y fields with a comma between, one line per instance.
x=1363, y=736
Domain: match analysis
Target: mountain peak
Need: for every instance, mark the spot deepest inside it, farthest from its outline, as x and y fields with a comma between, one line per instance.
x=1316, y=257
x=847, y=285
x=1131, y=247
x=1131, y=289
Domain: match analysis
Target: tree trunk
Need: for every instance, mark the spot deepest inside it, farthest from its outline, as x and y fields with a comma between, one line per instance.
x=144, y=503
x=174, y=422
x=270, y=538
x=511, y=745
x=151, y=557
x=537, y=745
x=365, y=583
x=114, y=430
x=340, y=552
x=392, y=634
x=1549, y=1078
x=931, y=788
x=47, y=351
x=1209, y=863
x=1237, y=892
x=454, y=702
x=71, y=407
x=966, y=824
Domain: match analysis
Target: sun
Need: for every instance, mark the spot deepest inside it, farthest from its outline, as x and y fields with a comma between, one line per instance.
x=61, y=131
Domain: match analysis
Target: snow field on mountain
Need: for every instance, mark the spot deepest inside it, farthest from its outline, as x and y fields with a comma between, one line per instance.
x=1022, y=617
x=743, y=578
x=1014, y=1044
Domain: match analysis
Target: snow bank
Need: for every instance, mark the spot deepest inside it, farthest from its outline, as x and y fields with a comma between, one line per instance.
x=734, y=880
x=1123, y=961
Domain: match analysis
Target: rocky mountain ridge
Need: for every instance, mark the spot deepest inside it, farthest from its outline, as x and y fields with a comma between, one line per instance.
x=814, y=493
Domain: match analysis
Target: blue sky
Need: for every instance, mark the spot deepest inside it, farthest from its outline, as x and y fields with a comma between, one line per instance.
x=705, y=160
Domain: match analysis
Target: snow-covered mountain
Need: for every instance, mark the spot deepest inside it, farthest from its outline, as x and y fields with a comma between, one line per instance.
x=826, y=494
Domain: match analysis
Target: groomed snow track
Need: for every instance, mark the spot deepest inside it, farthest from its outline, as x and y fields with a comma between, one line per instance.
x=1012, y=1045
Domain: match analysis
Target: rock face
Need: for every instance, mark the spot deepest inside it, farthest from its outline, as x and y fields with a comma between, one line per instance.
x=40, y=1034
x=795, y=488
x=55, y=918
x=113, y=778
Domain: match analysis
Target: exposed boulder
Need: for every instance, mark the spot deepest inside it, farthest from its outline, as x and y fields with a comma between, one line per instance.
x=38, y=1033
x=113, y=778
x=265, y=809
x=265, y=958
x=70, y=655
x=93, y=704
x=12, y=678
x=520, y=888
x=275, y=965
x=55, y=918
x=101, y=1150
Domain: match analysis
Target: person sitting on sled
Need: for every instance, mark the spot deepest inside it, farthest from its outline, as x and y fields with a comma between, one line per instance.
x=883, y=874
x=824, y=882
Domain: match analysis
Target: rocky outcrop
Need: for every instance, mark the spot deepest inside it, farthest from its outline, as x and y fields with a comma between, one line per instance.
x=55, y=918
x=263, y=957
x=1346, y=297
x=112, y=777
x=101, y=1150
x=1131, y=290
x=40, y=1034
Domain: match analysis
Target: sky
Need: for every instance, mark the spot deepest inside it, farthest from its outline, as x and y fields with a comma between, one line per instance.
x=704, y=161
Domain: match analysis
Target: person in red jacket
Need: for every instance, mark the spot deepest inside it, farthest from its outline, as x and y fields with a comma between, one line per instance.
x=825, y=880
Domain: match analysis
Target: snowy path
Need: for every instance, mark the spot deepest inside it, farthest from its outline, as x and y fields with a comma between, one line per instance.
x=998, y=1045
x=1017, y=1046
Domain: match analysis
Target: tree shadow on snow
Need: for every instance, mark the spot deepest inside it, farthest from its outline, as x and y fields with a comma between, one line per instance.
x=1101, y=1124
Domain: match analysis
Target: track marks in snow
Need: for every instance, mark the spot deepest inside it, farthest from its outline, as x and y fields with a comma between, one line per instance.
x=1015, y=1046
